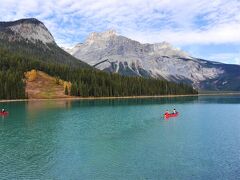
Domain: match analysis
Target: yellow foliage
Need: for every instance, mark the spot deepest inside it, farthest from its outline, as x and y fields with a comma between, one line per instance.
x=31, y=75
x=61, y=82
x=67, y=84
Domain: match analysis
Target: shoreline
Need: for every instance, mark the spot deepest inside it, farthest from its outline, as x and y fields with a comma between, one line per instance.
x=120, y=97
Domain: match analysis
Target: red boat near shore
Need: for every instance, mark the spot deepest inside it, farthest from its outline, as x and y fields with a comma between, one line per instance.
x=168, y=115
x=4, y=113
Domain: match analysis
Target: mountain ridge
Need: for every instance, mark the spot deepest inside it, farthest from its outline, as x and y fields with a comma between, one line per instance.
x=118, y=54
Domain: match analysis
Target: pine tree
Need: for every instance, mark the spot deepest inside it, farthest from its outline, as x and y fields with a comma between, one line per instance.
x=66, y=90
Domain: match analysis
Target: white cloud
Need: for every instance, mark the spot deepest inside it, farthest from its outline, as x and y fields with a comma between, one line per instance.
x=230, y=58
x=143, y=20
x=224, y=33
x=181, y=22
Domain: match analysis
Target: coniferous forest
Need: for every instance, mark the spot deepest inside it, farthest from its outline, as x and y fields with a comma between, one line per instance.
x=85, y=81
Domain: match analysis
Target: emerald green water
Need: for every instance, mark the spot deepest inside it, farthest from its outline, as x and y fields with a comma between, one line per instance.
x=121, y=139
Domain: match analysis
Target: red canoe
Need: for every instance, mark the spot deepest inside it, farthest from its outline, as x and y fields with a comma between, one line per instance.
x=3, y=113
x=167, y=115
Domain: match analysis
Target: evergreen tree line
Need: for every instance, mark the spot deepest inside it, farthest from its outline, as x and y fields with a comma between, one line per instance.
x=85, y=82
x=12, y=85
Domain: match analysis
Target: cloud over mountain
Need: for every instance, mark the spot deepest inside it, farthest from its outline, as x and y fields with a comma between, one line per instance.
x=182, y=23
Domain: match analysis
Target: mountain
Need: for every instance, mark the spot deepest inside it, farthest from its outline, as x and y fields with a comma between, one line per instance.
x=30, y=37
x=27, y=45
x=115, y=53
x=26, y=29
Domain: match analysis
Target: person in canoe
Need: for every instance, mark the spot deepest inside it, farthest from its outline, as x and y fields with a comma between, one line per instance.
x=174, y=111
x=167, y=112
x=3, y=110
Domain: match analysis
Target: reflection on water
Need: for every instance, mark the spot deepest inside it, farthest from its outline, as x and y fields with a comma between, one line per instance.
x=234, y=99
x=34, y=106
x=143, y=101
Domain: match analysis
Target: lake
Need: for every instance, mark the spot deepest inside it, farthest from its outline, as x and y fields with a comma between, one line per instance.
x=121, y=139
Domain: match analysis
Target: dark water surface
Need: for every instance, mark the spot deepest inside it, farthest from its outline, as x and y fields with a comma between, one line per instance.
x=121, y=139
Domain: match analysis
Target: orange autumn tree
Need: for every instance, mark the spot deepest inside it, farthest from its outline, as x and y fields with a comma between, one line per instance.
x=31, y=75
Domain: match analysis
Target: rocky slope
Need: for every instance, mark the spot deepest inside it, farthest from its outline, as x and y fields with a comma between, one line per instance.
x=26, y=29
x=114, y=53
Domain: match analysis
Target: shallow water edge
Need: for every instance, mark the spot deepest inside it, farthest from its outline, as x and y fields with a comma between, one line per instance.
x=123, y=97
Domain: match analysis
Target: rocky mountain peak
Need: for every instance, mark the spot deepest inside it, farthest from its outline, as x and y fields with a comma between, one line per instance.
x=118, y=54
x=115, y=53
x=95, y=36
x=31, y=29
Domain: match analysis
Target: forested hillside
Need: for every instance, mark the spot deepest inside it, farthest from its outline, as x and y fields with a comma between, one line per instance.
x=85, y=81
x=31, y=38
x=49, y=53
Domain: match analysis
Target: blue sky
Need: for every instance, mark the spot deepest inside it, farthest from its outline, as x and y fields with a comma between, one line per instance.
x=207, y=29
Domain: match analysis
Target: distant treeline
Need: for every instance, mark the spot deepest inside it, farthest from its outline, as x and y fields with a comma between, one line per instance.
x=85, y=82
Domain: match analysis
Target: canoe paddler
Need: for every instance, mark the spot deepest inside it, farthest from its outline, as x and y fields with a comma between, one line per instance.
x=174, y=111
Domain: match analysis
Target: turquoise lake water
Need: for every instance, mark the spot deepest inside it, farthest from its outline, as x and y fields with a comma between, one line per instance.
x=121, y=139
